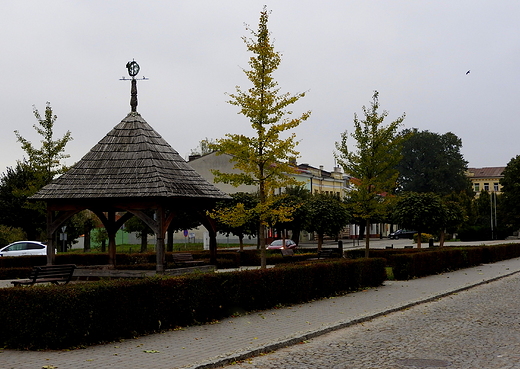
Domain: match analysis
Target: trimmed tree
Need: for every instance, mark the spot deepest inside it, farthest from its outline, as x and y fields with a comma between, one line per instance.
x=423, y=212
x=326, y=215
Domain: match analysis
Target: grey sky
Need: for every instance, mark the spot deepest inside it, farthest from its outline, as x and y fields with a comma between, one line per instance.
x=415, y=53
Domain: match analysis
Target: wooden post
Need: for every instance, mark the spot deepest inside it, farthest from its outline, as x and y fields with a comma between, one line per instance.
x=111, y=230
x=159, y=233
x=51, y=256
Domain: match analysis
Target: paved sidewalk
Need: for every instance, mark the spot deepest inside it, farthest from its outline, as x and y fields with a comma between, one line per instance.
x=237, y=338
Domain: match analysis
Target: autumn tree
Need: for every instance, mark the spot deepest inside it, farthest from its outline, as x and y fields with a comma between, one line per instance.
x=264, y=158
x=372, y=163
x=238, y=216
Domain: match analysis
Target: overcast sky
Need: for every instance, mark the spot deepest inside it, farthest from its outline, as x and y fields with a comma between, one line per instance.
x=415, y=53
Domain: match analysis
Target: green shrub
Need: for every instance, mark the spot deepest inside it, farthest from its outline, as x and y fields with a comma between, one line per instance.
x=14, y=273
x=10, y=234
x=425, y=237
x=95, y=312
x=419, y=264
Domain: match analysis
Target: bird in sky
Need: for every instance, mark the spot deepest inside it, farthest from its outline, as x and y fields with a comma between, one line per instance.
x=468, y=72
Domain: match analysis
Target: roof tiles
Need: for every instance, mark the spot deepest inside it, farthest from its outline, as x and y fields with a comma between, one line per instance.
x=134, y=161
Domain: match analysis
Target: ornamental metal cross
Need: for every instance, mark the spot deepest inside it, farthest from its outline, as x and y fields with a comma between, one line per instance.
x=133, y=69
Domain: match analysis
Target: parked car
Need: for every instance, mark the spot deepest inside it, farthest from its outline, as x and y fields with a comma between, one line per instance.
x=278, y=244
x=402, y=233
x=22, y=248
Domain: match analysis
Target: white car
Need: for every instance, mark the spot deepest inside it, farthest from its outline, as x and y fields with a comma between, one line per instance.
x=22, y=248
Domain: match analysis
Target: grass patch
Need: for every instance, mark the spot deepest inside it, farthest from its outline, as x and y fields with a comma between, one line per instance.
x=389, y=273
x=133, y=248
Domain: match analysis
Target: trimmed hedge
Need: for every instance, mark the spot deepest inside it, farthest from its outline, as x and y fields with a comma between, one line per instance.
x=19, y=267
x=90, y=313
x=419, y=264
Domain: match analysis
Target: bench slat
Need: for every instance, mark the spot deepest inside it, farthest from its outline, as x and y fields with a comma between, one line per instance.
x=49, y=274
x=185, y=259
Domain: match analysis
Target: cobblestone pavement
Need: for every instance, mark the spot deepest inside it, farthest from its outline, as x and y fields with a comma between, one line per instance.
x=477, y=328
x=244, y=336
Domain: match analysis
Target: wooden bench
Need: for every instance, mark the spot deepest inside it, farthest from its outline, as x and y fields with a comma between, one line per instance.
x=48, y=274
x=185, y=259
x=324, y=254
x=288, y=254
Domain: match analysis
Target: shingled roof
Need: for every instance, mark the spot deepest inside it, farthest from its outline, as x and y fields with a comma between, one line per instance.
x=486, y=172
x=131, y=161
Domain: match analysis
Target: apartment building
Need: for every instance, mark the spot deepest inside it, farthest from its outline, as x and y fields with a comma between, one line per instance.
x=487, y=179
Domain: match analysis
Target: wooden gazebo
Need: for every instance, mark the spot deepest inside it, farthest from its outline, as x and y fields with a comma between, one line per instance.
x=131, y=170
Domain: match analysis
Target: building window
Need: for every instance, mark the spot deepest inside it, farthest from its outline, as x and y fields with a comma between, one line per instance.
x=477, y=187
x=486, y=186
x=495, y=186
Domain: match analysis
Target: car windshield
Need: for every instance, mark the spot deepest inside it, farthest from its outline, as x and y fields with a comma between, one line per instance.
x=277, y=243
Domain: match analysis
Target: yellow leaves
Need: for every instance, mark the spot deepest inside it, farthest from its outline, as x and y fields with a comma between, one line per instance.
x=274, y=211
x=234, y=216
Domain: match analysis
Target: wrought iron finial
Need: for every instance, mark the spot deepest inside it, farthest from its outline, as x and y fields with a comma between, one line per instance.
x=133, y=70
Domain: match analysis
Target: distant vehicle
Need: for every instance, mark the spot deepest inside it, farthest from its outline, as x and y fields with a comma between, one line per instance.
x=22, y=248
x=402, y=233
x=278, y=244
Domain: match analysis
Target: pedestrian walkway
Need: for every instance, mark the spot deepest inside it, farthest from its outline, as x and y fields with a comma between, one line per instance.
x=240, y=337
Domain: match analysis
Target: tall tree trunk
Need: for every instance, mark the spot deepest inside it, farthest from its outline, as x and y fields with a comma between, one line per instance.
x=361, y=234
x=261, y=228
x=86, y=240
x=144, y=242
x=112, y=248
x=320, y=240
x=241, y=240
x=169, y=245
x=367, y=238
x=442, y=238
x=111, y=230
x=261, y=231
x=296, y=235
x=419, y=240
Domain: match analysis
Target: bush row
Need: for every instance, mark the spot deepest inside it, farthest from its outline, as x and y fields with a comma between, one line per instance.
x=19, y=267
x=80, y=314
x=102, y=258
x=418, y=264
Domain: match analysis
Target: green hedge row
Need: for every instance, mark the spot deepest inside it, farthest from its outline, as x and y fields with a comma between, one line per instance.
x=19, y=267
x=89, y=313
x=433, y=261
